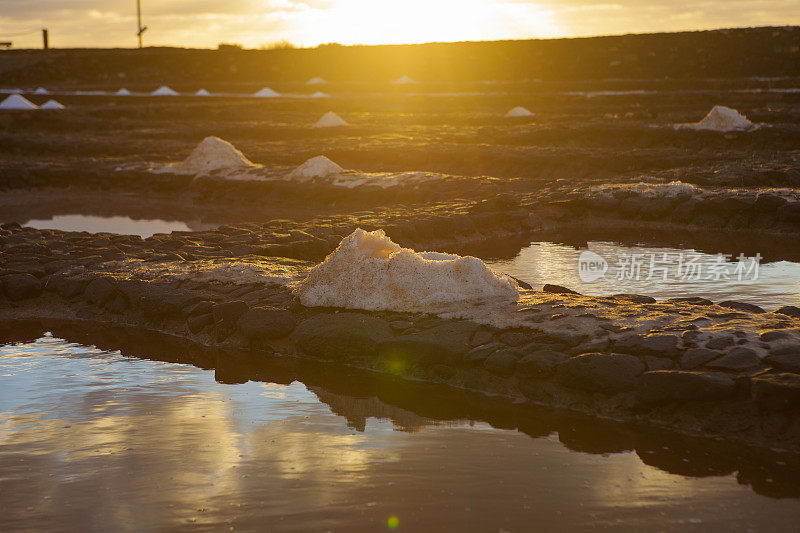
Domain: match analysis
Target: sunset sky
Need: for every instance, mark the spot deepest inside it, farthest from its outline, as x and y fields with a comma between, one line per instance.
x=253, y=23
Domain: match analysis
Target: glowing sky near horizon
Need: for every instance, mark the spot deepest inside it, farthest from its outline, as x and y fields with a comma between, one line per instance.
x=254, y=23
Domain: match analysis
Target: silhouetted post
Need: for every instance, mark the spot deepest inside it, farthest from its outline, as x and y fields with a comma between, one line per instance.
x=45, y=39
x=139, y=28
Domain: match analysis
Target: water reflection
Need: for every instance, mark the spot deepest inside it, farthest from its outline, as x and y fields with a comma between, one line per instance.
x=122, y=225
x=658, y=271
x=92, y=437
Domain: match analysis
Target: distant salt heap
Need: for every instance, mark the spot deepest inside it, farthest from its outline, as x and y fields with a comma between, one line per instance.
x=330, y=120
x=519, y=112
x=41, y=90
x=673, y=189
x=51, y=104
x=266, y=92
x=723, y=119
x=17, y=102
x=214, y=153
x=316, y=81
x=369, y=271
x=164, y=91
x=316, y=167
x=320, y=94
x=123, y=92
x=402, y=80
x=202, y=92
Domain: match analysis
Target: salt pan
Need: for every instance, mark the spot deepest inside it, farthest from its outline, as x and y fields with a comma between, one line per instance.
x=369, y=271
x=330, y=120
x=316, y=167
x=164, y=91
x=519, y=112
x=17, y=102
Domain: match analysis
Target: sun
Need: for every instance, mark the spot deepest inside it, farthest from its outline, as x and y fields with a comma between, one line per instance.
x=419, y=21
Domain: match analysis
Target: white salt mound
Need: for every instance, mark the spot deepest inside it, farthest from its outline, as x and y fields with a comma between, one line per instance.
x=214, y=153
x=123, y=92
x=51, y=104
x=164, y=91
x=316, y=167
x=316, y=81
x=320, y=94
x=369, y=271
x=266, y=92
x=722, y=118
x=330, y=120
x=41, y=90
x=402, y=80
x=519, y=112
x=202, y=92
x=17, y=102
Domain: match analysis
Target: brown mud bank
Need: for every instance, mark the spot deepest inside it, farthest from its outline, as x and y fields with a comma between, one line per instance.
x=729, y=370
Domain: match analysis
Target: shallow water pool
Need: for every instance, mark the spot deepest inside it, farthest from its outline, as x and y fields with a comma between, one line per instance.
x=122, y=225
x=92, y=439
x=659, y=271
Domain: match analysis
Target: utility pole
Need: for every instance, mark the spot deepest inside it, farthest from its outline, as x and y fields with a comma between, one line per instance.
x=45, y=39
x=139, y=28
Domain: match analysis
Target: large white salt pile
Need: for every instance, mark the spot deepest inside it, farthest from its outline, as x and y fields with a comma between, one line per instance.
x=202, y=92
x=214, y=153
x=722, y=118
x=123, y=92
x=51, y=104
x=316, y=167
x=519, y=112
x=316, y=81
x=164, y=91
x=369, y=271
x=17, y=102
x=402, y=80
x=330, y=120
x=266, y=92
x=320, y=94
x=41, y=90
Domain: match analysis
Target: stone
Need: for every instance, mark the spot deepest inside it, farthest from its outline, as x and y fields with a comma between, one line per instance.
x=719, y=342
x=21, y=286
x=540, y=364
x=666, y=386
x=776, y=335
x=787, y=360
x=695, y=357
x=226, y=314
x=266, y=323
x=100, y=290
x=789, y=310
x=513, y=338
x=591, y=346
x=480, y=353
x=200, y=308
x=445, y=343
x=341, y=336
x=480, y=337
x=599, y=372
x=635, y=298
x=741, y=306
x=501, y=363
x=661, y=345
x=737, y=359
x=558, y=289
x=776, y=391
x=196, y=323
x=658, y=363
x=691, y=300
x=67, y=288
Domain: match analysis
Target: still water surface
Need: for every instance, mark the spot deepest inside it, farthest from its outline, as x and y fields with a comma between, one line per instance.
x=660, y=272
x=122, y=225
x=94, y=440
